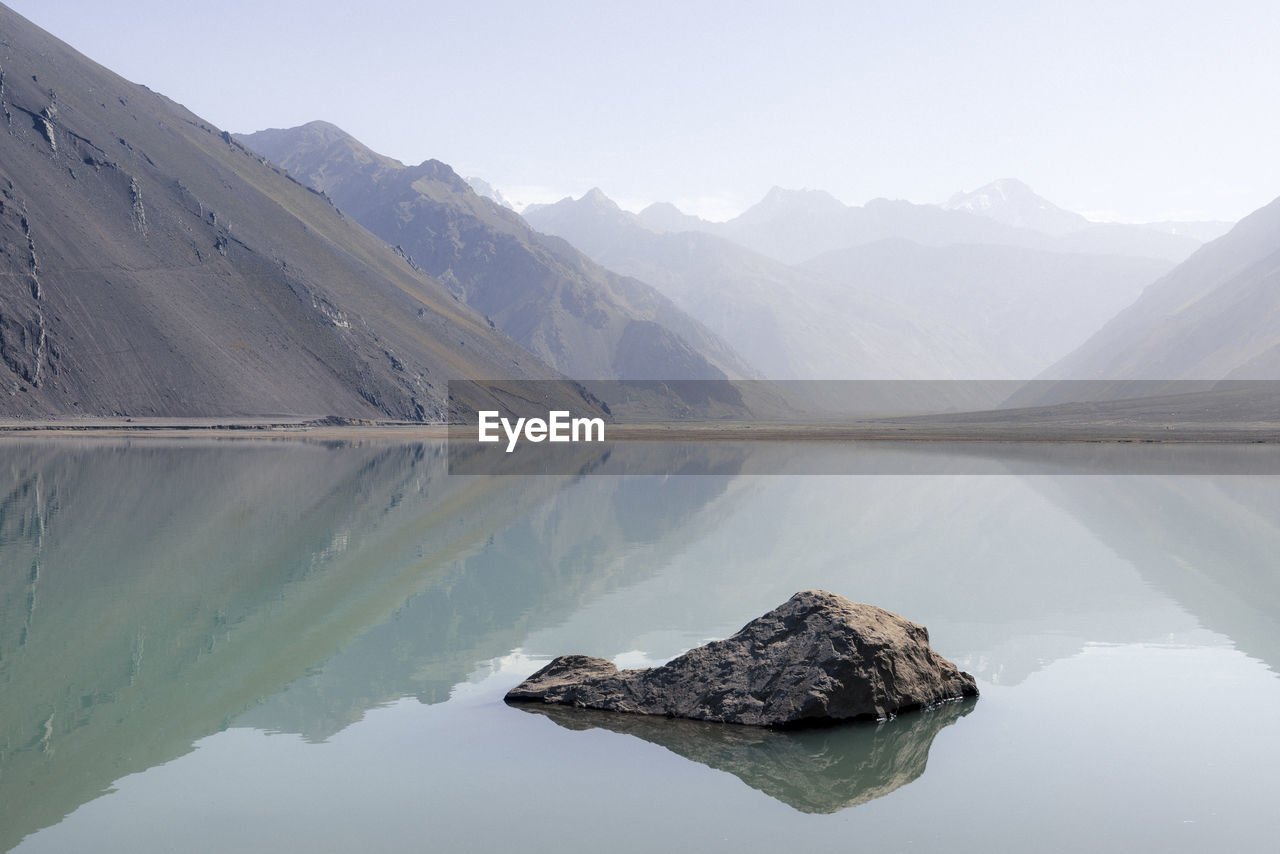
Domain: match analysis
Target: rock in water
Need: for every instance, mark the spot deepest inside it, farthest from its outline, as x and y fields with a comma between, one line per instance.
x=816, y=659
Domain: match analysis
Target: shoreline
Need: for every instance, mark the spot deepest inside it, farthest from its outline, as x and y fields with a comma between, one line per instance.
x=938, y=429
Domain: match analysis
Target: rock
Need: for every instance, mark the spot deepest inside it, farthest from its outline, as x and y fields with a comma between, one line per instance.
x=816, y=659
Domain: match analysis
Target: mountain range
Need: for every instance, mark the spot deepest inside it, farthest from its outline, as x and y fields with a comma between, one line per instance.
x=582, y=319
x=794, y=226
x=791, y=322
x=1012, y=202
x=155, y=265
x=1025, y=307
x=889, y=309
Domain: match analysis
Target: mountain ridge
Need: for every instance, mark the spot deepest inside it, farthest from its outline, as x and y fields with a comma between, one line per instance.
x=793, y=323
x=794, y=226
x=584, y=320
x=1012, y=202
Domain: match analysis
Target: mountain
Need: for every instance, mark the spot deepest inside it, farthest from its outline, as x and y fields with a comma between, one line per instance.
x=789, y=224
x=584, y=320
x=1202, y=230
x=792, y=323
x=1211, y=317
x=664, y=216
x=1025, y=307
x=484, y=188
x=809, y=225
x=794, y=226
x=1012, y=202
x=153, y=265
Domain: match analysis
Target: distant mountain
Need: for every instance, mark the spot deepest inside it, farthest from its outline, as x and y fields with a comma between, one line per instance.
x=1012, y=202
x=806, y=204
x=792, y=323
x=808, y=225
x=1134, y=240
x=1202, y=230
x=664, y=216
x=1025, y=307
x=1211, y=317
x=794, y=226
x=484, y=188
x=155, y=266
x=584, y=320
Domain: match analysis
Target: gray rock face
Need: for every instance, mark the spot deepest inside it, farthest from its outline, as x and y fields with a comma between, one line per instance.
x=816, y=659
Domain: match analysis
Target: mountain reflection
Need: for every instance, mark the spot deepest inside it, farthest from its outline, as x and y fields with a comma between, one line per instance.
x=814, y=771
x=570, y=548
x=1210, y=543
x=153, y=593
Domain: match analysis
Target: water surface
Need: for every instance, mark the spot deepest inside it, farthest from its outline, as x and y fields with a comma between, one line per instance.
x=265, y=646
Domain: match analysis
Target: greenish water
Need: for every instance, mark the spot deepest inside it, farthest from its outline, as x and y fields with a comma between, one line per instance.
x=278, y=646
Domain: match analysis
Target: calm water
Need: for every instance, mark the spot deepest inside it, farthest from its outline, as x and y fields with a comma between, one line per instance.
x=282, y=646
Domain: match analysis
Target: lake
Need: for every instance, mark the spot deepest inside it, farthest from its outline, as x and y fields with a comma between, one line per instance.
x=290, y=645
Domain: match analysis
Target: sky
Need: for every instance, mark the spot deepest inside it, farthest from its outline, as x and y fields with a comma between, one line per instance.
x=1132, y=111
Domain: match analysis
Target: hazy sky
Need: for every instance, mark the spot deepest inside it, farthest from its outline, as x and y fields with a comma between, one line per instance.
x=1133, y=110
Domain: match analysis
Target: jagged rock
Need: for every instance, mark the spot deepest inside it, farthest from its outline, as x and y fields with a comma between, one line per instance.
x=816, y=659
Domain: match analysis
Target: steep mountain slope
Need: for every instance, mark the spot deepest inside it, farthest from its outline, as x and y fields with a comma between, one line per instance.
x=154, y=266
x=793, y=323
x=584, y=320
x=1026, y=307
x=1214, y=316
x=794, y=226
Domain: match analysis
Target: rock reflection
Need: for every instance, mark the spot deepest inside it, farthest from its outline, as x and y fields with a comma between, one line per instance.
x=813, y=771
